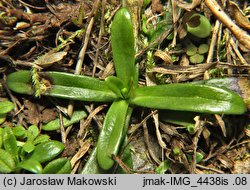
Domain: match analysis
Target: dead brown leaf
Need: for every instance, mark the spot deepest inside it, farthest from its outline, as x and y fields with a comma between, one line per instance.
x=31, y=112
x=238, y=15
x=157, y=7
x=187, y=6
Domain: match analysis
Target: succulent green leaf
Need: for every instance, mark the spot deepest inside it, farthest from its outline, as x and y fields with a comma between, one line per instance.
x=19, y=131
x=28, y=147
x=6, y=106
x=92, y=166
x=33, y=129
x=116, y=85
x=7, y=163
x=47, y=151
x=55, y=124
x=20, y=82
x=122, y=41
x=41, y=139
x=189, y=97
x=231, y=83
x=112, y=134
x=58, y=166
x=62, y=85
x=31, y=166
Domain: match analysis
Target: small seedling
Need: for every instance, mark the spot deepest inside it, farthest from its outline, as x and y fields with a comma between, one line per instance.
x=196, y=54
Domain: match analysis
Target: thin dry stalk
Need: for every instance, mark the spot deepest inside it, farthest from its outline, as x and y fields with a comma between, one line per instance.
x=240, y=34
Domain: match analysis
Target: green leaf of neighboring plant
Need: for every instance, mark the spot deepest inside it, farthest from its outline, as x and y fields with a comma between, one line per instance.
x=9, y=142
x=199, y=26
x=176, y=151
x=20, y=82
x=146, y=2
x=239, y=85
x=7, y=163
x=111, y=135
x=6, y=106
x=33, y=129
x=196, y=58
x=122, y=41
x=19, y=131
x=163, y=167
x=199, y=157
x=189, y=97
x=92, y=166
x=28, y=147
x=41, y=139
x=191, y=49
x=30, y=136
x=203, y=48
x=1, y=137
x=63, y=85
x=2, y=118
x=58, y=166
x=55, y=124
x=47, y=151
x=31, y=166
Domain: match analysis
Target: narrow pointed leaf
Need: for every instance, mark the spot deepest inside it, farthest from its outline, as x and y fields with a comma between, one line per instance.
x=112, y=134
x=55, y=124
x=63, y=85
x=189, y=97
x=122, y=41
x=92, y=166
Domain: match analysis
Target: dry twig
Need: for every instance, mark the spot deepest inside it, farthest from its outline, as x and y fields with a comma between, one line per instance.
x=240, y=34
